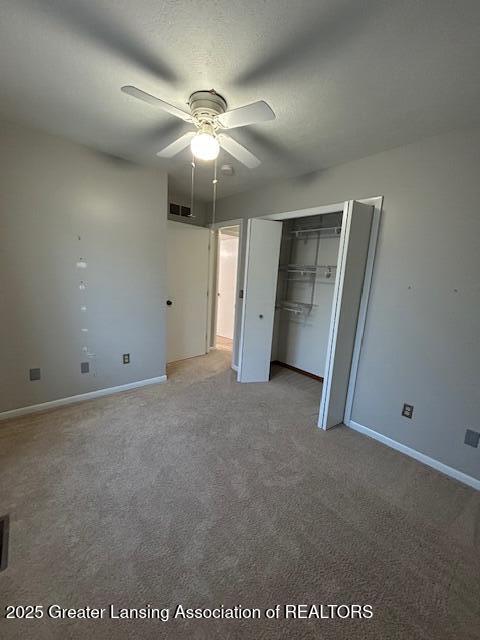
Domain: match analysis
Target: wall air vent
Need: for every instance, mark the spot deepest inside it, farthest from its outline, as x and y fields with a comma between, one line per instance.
x=179, y=210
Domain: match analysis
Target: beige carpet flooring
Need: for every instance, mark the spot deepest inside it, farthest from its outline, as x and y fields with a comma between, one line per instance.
x=224, y=344
x=205, y=492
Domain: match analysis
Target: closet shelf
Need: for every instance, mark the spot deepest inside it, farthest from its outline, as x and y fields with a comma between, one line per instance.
x=322, y=232
x=306, y=269
x=297, y=308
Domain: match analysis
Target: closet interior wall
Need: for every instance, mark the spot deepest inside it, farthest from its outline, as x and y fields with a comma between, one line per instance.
x=306, y=278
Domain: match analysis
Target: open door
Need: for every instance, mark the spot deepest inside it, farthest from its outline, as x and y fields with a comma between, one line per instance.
x=187, y=284
x=261, y=271
x=352, y=260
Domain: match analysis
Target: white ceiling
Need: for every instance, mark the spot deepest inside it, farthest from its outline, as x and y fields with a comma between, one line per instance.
x=346, y=78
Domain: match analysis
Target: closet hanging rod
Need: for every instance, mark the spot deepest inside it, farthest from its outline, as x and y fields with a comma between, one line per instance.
x=295, y=307
x=306, y=267
x=327, y=231
x=329, y=281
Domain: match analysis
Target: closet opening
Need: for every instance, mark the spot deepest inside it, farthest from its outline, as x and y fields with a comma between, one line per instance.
x=307, y=282
x=304, y=296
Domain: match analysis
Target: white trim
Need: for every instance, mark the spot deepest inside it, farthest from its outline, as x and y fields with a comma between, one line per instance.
x=234, y=367
x=227, y=223
x=212, y=289
x=377, y=203
x=304, y=213
x=240, y=286
x=421, y=457
x=44, y=406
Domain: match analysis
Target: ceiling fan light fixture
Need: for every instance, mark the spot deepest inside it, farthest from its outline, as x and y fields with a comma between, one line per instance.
x=205, y=145
x=208, y=113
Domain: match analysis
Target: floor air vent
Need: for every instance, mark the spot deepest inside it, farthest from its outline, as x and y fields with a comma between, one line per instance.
x=3, y=542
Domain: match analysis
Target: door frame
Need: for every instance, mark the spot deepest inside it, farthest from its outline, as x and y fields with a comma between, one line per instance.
x=239, y=285
x=377, y=203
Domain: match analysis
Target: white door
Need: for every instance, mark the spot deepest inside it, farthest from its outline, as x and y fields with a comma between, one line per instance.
x=261, y=272
x=352, y=260
x=187, y=285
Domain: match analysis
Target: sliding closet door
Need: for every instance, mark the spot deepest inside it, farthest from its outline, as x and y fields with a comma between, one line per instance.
x=261, y=271
x=352, y=260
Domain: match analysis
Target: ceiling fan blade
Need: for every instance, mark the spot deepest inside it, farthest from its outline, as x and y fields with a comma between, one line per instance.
x=249, y=114
x=175, y=147
x=323, y=34
x=105, y=28
x=156, y=102
x=238, y=151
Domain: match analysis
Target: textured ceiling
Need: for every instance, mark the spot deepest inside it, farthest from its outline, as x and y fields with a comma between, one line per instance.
x=346, y=78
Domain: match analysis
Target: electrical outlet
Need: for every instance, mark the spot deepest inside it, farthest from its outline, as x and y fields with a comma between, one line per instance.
x=126, y=358
x=84, y=367
x=34, y=374
x=407, y=411
x=472, y=438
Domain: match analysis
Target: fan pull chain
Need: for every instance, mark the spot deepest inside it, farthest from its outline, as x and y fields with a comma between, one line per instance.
x=193, y=187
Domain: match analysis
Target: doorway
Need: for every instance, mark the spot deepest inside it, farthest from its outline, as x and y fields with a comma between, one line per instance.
x=227, y=265
x=226, y=284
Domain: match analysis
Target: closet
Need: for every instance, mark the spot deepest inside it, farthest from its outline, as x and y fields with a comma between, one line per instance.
x=307, y=279
x=305, y=284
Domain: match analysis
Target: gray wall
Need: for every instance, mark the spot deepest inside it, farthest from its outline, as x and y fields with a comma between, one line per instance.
x=51, y=193
x=422, y=339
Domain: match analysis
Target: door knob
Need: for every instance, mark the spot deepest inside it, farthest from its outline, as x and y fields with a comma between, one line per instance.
x=261, y=316
x=169, y=303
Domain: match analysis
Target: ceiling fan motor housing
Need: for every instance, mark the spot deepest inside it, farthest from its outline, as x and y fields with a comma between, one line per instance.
x=205, y=105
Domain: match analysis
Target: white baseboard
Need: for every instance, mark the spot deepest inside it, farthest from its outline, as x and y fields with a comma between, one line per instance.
x=421, y=457
x=36, y=408
x=234, y=367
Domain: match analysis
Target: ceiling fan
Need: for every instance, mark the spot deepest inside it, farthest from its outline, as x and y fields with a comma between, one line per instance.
x=208, y=113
